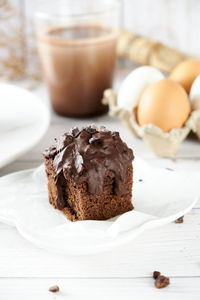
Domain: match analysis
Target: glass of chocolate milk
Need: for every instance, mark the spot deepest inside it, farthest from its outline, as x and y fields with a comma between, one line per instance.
x=77, y=47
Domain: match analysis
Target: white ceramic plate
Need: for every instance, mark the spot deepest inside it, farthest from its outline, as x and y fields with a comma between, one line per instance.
x=159, y=196
x=24, y=119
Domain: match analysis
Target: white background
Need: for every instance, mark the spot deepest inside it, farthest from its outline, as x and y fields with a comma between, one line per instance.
x=174, y=22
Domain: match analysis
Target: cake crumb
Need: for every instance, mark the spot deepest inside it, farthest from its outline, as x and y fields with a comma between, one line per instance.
x=156, y=274
x=162, y=282
x=54, y=289
x=179, y=220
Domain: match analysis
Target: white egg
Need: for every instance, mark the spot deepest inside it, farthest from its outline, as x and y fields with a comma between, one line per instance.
x=134, y=83
x=195, y=94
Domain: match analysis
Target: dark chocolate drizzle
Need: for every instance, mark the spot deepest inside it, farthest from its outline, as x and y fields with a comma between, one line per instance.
x=88, y=155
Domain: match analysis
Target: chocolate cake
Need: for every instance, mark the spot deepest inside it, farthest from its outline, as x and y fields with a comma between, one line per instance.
x=89, y=174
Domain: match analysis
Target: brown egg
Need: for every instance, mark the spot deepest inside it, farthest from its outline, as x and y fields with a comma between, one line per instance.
x=186, y=72
x=165, y=104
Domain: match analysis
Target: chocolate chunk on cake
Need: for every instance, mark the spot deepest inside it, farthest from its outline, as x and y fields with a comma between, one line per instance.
x=89, y=174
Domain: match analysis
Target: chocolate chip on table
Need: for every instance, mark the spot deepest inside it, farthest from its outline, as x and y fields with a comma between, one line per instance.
x=179, y=220
x=156, y=274
x=54, y=289
x=162, y=282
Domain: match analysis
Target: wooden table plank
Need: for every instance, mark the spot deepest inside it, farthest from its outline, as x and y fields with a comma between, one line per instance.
x=98, y=289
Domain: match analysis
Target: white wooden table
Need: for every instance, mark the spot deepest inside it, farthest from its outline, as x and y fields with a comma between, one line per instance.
x=26, y=272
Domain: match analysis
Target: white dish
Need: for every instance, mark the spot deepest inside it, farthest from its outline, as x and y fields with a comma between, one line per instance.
x=159, y=197
x=24, y=119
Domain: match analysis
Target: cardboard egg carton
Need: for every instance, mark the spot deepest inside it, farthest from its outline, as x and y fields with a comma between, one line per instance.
x=164, y=144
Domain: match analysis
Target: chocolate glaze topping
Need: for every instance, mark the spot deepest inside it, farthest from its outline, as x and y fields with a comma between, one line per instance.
x=88, y=155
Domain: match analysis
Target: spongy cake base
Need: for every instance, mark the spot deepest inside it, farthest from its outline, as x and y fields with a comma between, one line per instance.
x=81, y=205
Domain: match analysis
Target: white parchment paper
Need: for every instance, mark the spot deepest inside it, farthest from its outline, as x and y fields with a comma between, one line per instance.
x=159, y=196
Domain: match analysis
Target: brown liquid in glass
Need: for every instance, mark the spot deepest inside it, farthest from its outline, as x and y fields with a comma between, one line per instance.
x=78, y=65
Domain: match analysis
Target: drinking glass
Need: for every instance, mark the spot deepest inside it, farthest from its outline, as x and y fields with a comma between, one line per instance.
x=76, y=42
